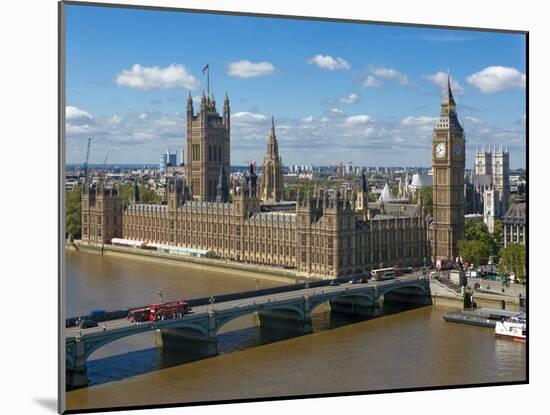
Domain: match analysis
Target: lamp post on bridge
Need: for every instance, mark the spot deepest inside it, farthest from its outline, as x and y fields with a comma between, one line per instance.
x=257, y=284
x=160, y=295
x=211, y=301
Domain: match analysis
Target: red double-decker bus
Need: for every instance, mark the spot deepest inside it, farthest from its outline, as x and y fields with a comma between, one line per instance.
x=163, y=311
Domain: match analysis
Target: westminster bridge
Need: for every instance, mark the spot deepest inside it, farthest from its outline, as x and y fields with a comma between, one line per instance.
x=285, y=308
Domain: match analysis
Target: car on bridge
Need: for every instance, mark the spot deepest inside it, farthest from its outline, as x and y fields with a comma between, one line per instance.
x=86, y=324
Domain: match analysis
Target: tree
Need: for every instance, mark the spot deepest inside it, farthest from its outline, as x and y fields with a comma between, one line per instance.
x=146, y=195
x=477, y=231
x=498, y=233
x=512, y=259
x=425, y=195
x=72, y=213
x=473, y=252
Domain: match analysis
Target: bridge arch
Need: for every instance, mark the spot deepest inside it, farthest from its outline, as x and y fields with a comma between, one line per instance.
x=421, y=287
x=329, y=297
x=76, y=357
x=223, y=319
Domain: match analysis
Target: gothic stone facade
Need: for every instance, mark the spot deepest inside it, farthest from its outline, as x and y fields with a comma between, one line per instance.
x=324, y=236
x=448, y=159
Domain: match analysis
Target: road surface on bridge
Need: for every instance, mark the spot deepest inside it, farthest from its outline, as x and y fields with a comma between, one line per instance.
x=344, y=288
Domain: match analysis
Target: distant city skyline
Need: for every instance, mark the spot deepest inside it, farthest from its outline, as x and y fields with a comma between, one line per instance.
x=338, y=91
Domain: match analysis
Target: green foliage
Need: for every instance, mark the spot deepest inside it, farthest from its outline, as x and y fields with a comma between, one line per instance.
x=425, y=195
x=145, y=195
x=498, y=233
x=474, y=252
x=477, y=231
x=512, y=259
x=372, y=197
x=72, y=213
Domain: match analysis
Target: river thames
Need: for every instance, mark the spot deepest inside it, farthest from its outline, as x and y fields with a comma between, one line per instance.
x=411, y=348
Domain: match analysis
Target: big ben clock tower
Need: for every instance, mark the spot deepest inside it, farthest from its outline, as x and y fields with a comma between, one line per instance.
x=448, y=158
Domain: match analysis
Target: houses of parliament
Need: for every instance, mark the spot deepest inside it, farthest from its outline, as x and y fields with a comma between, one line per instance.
x=323, y=234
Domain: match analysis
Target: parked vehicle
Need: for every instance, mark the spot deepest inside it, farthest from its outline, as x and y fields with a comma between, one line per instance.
x=334, y=282
x=86, y=324
x=444, y=264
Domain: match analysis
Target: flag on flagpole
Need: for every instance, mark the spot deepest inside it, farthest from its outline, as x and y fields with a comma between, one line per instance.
x=205, y=68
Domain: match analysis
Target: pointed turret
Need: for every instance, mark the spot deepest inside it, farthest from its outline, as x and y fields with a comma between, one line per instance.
x=448, y=118
x=272, y=146
x=189, y=105
x=448, y=93
x=222, y=190
x=272, y=175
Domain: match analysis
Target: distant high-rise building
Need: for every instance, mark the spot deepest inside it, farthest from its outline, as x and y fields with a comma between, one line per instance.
x=181, y=157
x=163, y=162
x=171, y=158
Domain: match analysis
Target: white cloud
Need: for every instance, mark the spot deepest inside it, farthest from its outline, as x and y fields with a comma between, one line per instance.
x=357, y=119
x=350, y=99
x=473, y=120
x=366, y=140
x=377, y=74
x=440, y=79
x=248, y=116
x=369, y=132
x=371, y=82
x=390, y=74
x=155, y=77
x=419, y=121
x=142, y=116
x=497, y=78
x=328, y=62
x=77, y=129
x=247, y=69
x=74, y=113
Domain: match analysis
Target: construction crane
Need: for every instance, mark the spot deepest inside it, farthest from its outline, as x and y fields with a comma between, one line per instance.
x=105, y=161
x=87, y=157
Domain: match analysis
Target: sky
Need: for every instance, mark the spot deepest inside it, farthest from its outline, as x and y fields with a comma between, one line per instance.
x=364, y=93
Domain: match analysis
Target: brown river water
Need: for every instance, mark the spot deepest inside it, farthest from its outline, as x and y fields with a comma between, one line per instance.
x=398, y=349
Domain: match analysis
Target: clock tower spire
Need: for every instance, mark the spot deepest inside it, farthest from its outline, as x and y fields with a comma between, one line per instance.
x=448, y=160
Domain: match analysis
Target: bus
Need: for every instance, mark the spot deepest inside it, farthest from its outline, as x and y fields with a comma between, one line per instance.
x=162, y=311
x=382, y=274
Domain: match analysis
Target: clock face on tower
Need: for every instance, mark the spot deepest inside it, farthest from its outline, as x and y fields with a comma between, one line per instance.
x=458, y=149
x=440, y=150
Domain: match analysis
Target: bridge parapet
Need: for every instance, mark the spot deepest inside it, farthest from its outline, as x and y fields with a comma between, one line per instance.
x=196, y=333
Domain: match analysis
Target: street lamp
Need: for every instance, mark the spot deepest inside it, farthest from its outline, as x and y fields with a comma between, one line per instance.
x=211, y=301
x=160, y=295
x=257, y=284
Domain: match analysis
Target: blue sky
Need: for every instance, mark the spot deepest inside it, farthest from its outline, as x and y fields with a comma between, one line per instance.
x=361, y=92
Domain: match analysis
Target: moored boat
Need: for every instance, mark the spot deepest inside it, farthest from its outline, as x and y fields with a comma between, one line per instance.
x=514, y=328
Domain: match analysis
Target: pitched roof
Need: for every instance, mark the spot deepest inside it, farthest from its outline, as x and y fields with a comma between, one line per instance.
x=516, y=214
